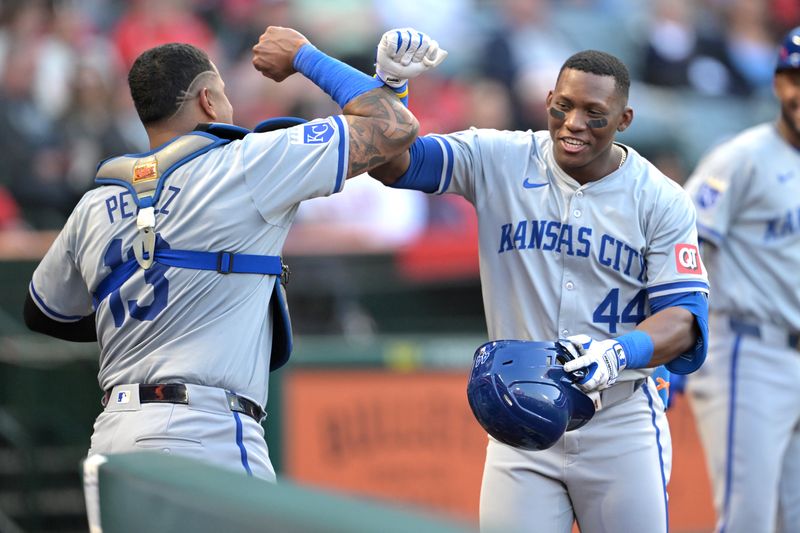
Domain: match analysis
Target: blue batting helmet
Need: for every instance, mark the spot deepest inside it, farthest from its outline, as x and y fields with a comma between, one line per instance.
x=521, y=395
x=789, y=52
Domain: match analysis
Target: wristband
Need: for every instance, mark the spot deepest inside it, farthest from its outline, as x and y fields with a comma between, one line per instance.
x=340, y=81
x=401, y=92
x=638, y=347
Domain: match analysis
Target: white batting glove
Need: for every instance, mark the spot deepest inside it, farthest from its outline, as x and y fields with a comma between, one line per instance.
x=405, y=53
x=603, y=361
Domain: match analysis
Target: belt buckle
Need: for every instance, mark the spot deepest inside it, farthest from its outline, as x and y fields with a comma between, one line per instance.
x=233, y=402
x=225, y=262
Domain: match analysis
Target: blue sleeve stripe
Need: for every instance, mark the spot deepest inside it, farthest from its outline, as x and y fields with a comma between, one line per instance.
x=55, y=315
x=447, y=166
x=676, y=287
x=343, y=150
x=709, y=234
x=426, y=169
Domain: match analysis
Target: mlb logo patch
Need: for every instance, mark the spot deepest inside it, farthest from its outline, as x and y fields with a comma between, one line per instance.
x=318, y=133
x=145, y=171
x=123, y=396
x=687, y=259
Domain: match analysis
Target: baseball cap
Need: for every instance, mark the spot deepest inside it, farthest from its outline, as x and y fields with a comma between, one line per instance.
x=789, y=51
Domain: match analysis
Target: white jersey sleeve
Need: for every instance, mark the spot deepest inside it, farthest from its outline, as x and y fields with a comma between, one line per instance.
x=284, y=168
x=719, y=186
x=673, y=259
x=57, y=286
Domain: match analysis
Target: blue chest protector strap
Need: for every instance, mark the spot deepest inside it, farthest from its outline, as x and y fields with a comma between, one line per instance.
x=141, y=174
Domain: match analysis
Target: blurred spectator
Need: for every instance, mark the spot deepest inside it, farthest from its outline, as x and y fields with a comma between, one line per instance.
x=239, y=23
x=346, y=28
x=750, y=46
x=524, y=52
x=439, y=104
x=63, y=106
x=90, y=127
x=71, y=39
x=488, y=105
x=9, y=211
x=148, y=23
x=785, y=15
x=365, y=215
x=34, y=159
x=710, y=59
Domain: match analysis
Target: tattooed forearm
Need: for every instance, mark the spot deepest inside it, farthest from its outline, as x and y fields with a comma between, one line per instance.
x=380, y=130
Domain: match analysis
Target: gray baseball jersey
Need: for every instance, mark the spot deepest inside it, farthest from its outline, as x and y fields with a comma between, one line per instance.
x=746, y=192
x=182, y=325
x=558, y=258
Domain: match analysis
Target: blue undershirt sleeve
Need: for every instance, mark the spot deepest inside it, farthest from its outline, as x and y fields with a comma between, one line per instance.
x=424, y=173
x=697, y=304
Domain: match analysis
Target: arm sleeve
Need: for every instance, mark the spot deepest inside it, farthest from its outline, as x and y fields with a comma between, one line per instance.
x=284, y=167
x=83, y=330
x=697, y=304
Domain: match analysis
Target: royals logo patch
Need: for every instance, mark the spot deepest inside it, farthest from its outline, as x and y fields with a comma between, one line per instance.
x=317, y=133
x=709, y=192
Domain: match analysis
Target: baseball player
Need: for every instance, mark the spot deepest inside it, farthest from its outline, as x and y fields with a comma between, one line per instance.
x=580, y=238
x=173, y=265
x=745, y=399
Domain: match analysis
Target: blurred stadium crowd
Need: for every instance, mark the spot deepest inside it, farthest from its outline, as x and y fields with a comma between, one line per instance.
x=702, y=70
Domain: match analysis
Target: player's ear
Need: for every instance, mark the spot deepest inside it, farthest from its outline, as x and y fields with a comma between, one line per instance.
x=548, y=100
x=206, y=100
x=626, y=119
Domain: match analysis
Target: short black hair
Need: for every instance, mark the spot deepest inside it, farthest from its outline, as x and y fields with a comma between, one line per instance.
x=602, y=64
x=159, y=77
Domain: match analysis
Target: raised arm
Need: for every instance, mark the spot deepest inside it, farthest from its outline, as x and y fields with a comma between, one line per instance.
x=403, y=53
x=381, y=129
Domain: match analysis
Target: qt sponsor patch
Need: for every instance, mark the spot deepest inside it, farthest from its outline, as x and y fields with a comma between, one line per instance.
x=687, y=259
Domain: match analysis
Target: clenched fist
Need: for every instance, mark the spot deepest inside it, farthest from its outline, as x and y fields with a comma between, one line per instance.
x=274, y=53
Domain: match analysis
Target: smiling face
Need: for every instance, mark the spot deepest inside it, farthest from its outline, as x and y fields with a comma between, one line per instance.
x=585, y=111
x=787, y=89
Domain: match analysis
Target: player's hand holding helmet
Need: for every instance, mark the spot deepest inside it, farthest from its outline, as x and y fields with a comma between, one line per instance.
x=521, y=395
x=603, y=361
x=405, y=53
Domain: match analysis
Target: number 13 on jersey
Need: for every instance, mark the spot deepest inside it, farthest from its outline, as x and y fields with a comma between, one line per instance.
x=153, y=276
